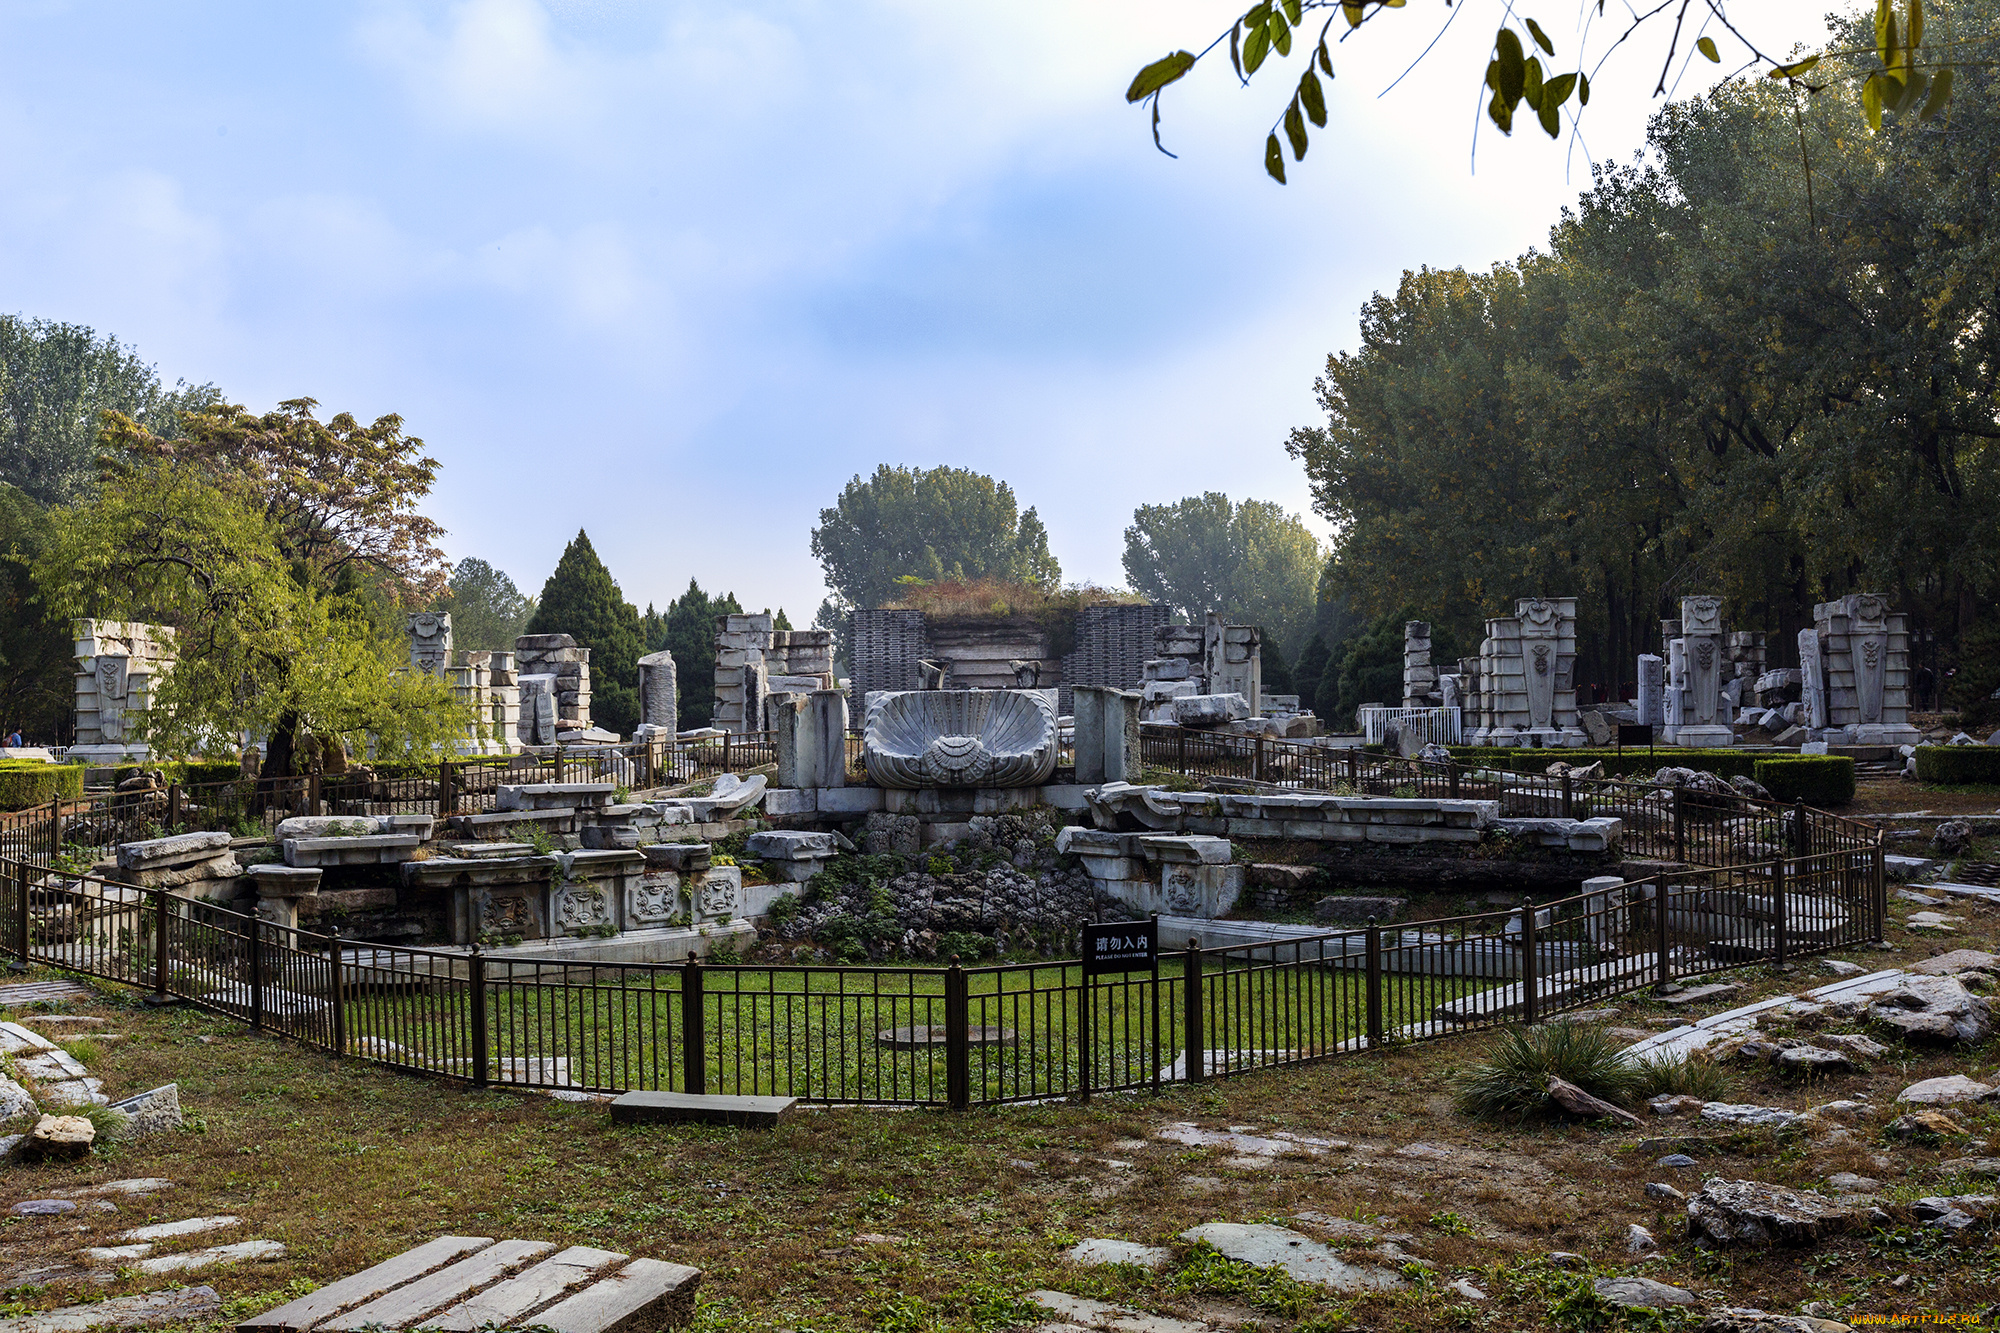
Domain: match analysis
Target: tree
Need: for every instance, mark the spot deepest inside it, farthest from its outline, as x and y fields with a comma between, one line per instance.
x=338, y=501
x=687, y=630
x=947, y=523
x=487, y=611
x=838, y=617
x=1369, y=671
x=260, y=649
x=1277, y=672
x=583, y=601
x=37, y=673
x=1252, y=562
x=1308, y=669
x=1895, y=74
x=56, y=382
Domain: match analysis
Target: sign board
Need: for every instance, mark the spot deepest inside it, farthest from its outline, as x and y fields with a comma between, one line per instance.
x=1120, y=946
x=1631, y=735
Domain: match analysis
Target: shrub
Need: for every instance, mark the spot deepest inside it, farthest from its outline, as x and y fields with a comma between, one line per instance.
x=1513, y=1077
x=187, y=772
x=1958, y=763
x=1689, y=1074
x=30, y=782
x=1816, y=779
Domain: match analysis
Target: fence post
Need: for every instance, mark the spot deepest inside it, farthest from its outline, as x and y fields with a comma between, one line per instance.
x=1451, y=768
x=160, y=994
x=1878, y=890
x=447, y=796
x=1194, y=1039
x=256, y=974
x=1530, y=982
x=1374, y=984
x=55, y=827
x=312, y=793
x=20, y=963
x=1680, y=827
x=725, y=751
x=1660, y=931
x=482, y=1072
x=339, y=989
x=1801, y=835
x=1354, y=769
x=173, y=806
x=1569, y=798
x=1084, y=1038
x=1257, y=761
x=1180, y=751
x=694, y=1039
x=957, y=1039
x=1778, y=904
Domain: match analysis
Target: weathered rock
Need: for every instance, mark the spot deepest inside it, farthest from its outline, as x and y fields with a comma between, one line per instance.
x=1264, y=1246
x=1958, y=960
x=1846, y=1182
x=1814, y=1060
x=14, y=1099
x=1762, y=1321
x=1755, y=1117
x=1565, y=1260
x=151, y=1112
x=1672, y=1103
x=42, y=1207
x=1749, y=1212
x=1100, y=1250
x=181, y=1305
x=1923, y=1126
x=1853, y=1043
x=1934, y=1011
x=1642, y=1292
x=1578, y=1102
x=58, y=1137
x=1952, y=838
x=1638, y=1240
x=1664, y=1193
x=1677, y=1159
x=1947, y=1091
x=1972, y=1166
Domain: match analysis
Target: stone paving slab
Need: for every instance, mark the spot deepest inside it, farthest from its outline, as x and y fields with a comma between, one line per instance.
x=40, y=992
x=159, y=1307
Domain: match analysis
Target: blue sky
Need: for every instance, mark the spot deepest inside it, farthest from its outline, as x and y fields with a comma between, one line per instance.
x=674, y=273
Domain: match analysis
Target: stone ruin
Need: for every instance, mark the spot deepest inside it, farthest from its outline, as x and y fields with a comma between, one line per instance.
x=1207, y=675
x=484, y=681
x=119, y=664
x=554, y=679
x=1420, y=676
x=1520, y=690
x=960, y=738
x=659, y=697
x=754, y=661
x=1855, y=662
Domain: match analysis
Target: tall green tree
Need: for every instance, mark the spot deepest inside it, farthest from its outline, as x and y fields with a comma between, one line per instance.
x=56, y=382
x=37, y=673
x=943, y=524
x=1253, y=562
x=487, y=611
x=687, y=630
x=1308, y=669
x=582, y=600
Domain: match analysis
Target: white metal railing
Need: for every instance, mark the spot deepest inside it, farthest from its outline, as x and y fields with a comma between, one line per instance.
x=1434, y=726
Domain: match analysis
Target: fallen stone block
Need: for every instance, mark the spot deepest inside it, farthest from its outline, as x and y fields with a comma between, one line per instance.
x=182, y=1305
x=1750, y=1212
x=1262, y=1245
x=1641, y=1292
x=152, y=1112
x=1950, y=1090
x=59, y=1138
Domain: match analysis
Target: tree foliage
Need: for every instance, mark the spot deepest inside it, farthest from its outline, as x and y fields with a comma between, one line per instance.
x=687, y=630
x=261, y=649
x=943, y=524
x=1723, y=376
x=487, y=611
x=1892, y=71
x=1253, y=562
x=37, y=673
x=582, y=600
x=56, y=382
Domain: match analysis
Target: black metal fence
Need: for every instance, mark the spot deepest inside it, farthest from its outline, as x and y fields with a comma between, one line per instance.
x=940, y=1036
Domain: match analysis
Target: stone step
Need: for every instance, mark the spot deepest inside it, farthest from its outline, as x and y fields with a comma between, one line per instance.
x=684, y=1108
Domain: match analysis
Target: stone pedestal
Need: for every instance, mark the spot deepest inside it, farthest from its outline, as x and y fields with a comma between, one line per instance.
x=1652, y=691
x=811, y=731
x=1106, y=734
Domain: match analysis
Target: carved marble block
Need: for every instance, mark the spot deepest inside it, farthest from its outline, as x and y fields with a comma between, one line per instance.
x=960, y=738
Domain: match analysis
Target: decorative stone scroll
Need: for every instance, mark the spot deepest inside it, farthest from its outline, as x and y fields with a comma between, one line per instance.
x=960, y=738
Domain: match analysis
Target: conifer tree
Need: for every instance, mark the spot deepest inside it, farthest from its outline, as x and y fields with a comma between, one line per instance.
x=582, y=600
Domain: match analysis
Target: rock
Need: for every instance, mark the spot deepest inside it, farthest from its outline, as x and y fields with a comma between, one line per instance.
x=1729, y=1320
x=1912, y=896
x=1749, y=787
x=1638, y=1240
x=1933, y=921
x=1958, y=960
x=1840, y=1110
x=1922, y=1126
x=1565, y=1260
x=1976, y=1206
x=242, y=1251
x=1972, y=1166
x=1664, y=1193
x=1749, y=1212
x=1840, y=967
x=1099, y=1250
x=1699, y=994
x=152, y=1112
x=1846, y=1182
x=1467, y=1290
x=1947, y=1091
x=42, y=1208
x=1679, y=1159
x=1853, y=1043
x=14, y=1099
x=59, y=1137
x=1936, y=1011
x=1952, y=838
x=1672, y=1103
x=181, y=1305
x=1814, y=1060
x=1265, y=1246
x=1757, y=1117
x=1578, y=1102
x=1643, y=1292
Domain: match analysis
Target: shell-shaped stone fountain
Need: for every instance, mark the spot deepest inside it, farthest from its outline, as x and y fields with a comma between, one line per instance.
x=960, y=738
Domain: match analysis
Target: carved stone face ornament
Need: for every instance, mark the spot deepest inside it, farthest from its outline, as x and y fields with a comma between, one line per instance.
x=1539, y=616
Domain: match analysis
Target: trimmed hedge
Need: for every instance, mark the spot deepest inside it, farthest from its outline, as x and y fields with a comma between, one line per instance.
x=1958, y=763
x=189, y=772
x=30, y=782
x=1631, y=762
x=1816, y=779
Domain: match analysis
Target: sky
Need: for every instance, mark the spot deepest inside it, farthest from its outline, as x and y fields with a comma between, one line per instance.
x=674, y=273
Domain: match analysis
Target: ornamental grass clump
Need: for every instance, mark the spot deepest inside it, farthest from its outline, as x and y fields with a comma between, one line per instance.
x=1512, y=1080
x=1683, y=1073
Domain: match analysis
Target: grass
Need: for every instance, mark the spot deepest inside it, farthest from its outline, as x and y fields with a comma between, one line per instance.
x=1511, y=1081
x=1687, y=1074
